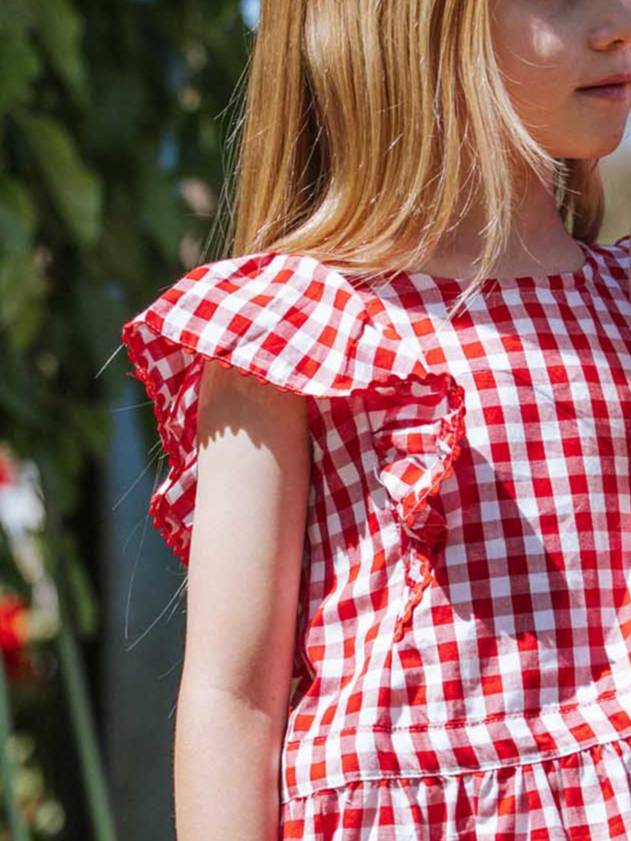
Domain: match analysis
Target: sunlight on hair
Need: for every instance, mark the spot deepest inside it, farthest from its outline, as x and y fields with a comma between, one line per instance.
x=363, y=123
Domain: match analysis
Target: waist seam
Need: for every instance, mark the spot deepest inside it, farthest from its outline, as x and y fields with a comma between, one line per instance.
x=409, y=774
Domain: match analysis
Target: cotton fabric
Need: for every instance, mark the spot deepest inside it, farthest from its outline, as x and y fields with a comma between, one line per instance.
x=462, y=661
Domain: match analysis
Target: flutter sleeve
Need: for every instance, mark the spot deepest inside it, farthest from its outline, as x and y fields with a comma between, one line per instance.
x=286, y=319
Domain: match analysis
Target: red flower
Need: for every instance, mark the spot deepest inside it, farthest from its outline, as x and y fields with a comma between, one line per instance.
x=8, y=472
x=14, y=625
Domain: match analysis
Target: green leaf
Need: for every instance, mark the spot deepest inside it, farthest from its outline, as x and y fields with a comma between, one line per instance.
x=17, y=404
x=26, y=330
x=20, y=67
x=115, y=130
x=92, y=423
x=121, y=250
x=75, y=189
x=60, y=28
x=17, y=17
x=17, y=217
x=22, y=290
x=84, y=602
x=69, y=461
x=164, y=212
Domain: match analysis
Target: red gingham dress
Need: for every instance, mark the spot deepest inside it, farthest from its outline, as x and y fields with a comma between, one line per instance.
x=463, y=651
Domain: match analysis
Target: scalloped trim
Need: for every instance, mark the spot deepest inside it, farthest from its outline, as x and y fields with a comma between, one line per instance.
x=172, y=539
x=413, y=504
x=417, y=590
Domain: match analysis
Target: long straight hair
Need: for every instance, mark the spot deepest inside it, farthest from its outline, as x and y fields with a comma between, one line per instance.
x=365, y=121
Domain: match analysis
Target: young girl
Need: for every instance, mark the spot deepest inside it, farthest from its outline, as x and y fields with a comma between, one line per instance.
x=397, y=476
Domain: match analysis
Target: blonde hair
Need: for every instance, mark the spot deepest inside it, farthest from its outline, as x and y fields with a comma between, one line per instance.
x=356, y=128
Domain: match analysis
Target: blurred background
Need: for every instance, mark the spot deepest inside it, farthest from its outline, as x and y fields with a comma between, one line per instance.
x=115, y=146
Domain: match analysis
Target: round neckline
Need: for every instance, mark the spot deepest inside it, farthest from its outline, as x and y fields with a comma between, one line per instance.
x=560, y=280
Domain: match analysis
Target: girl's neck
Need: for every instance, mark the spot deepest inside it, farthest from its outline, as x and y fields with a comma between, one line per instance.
x=539, y=243
x=556, y=257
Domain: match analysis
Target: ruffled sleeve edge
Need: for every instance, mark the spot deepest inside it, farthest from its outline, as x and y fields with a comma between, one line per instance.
x=177, y=540
x=150, y=325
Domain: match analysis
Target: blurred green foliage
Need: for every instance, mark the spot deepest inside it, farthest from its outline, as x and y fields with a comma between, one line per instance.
x=106, y=112
x=114, y=124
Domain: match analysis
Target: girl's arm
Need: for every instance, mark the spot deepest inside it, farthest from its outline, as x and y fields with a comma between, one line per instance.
x=243, y=580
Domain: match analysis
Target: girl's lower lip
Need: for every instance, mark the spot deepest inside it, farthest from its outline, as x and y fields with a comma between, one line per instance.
x=608, y=91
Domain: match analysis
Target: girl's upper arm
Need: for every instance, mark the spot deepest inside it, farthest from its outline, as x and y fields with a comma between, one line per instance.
x=247, y=542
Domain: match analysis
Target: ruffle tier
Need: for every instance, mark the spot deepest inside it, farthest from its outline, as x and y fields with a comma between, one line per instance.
x=583, y=796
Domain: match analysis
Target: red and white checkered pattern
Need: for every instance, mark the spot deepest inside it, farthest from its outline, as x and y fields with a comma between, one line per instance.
x=463, y=647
